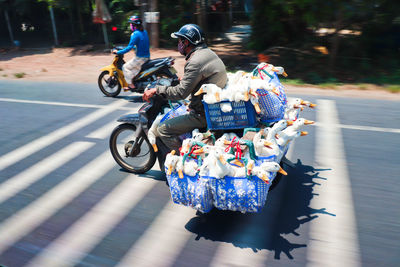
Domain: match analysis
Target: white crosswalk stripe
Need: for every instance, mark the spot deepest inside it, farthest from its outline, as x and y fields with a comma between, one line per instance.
x=103, y=132
x=24, y=179
x=163, y=240
x=52, y=103
x=333, y=239
x=27, y=219
x=365, y=128
x=38, y=144
x=83, y=235
x=229, y=255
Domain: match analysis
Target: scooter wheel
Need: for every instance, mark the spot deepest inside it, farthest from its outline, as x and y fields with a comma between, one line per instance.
x=109, y=85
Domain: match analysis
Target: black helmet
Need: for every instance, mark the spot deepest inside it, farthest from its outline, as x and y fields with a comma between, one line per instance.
x=135, y=20
x=192, y=32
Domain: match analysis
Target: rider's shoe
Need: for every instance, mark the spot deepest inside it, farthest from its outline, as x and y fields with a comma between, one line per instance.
x=129, y=88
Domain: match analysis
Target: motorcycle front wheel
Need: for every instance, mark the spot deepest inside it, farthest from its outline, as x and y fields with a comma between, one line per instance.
x=133, y=154
x=109, y=85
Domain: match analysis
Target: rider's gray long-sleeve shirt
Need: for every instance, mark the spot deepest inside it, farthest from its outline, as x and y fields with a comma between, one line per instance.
x=202, y=66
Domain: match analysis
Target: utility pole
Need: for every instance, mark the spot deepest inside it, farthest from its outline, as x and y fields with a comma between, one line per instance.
x=142, y=7
x=154, y=24
x=9, y=26
x=53, y=23
x=201, y=15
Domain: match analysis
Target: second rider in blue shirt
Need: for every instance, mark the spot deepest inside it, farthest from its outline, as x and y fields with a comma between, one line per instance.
x=140, y=39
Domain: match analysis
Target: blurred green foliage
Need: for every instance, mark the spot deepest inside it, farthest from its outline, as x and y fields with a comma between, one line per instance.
x=361, y=38
x=173, y=15
x=74, y=20
x=19, y=75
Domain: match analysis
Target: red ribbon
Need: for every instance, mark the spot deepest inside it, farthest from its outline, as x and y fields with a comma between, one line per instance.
x=239, y=152
x=262, y=94
x=259, y=72
x=195, y=147
x=233, y=144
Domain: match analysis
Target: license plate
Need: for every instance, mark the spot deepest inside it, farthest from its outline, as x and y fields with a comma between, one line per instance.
x=172, y=70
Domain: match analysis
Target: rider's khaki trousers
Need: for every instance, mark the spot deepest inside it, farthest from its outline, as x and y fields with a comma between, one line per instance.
x=170, y=130
x=132, y=68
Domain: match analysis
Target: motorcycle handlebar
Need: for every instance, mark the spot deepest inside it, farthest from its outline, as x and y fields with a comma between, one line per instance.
x=116, y=49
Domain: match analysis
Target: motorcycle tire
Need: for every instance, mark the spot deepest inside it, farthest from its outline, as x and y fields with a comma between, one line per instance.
x=143, y=157
x=110, y=79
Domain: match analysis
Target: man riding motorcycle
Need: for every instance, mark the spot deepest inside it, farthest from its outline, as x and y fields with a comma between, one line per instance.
x=202, y=66
x=140, y=39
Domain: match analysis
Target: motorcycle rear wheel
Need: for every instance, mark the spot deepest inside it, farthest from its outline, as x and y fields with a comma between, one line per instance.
x=108, y=83
x=122, y=140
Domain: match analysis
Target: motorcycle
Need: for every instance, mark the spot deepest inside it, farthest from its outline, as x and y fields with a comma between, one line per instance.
x=131, y=148
x=111, y=79
x=129, y=144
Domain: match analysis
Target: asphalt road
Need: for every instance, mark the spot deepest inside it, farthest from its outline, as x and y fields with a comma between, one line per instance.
x=65, y=202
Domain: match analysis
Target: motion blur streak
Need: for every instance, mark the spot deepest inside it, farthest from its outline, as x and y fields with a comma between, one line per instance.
x=229, y=255
x=38, y=144
x=36, y=213
x=31, y=175
x=103, y=132
x=333, y=236
x=163, y=240
x=83, y=235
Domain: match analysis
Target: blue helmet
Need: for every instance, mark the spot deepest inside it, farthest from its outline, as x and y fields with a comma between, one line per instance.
x=193, y=33
x=135, y=20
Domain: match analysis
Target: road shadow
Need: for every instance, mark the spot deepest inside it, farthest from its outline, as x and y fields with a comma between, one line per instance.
x=151, y=174
x=137, y=98
x=90, y=50
x=8, y=54
x=287, y=208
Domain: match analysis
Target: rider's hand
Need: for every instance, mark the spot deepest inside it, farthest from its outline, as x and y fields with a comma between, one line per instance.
x=149, y=94
x=114, y=51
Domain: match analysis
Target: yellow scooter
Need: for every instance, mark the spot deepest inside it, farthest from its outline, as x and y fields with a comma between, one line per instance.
x=112, y=79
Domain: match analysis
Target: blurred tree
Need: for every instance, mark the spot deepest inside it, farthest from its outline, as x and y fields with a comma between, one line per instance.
x=5, y=5
x=53, y=22
x=297, y=24
x=173, y=15
x=74, y=21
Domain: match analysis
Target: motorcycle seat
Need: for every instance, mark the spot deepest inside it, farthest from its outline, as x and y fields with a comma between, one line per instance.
x=153, y=63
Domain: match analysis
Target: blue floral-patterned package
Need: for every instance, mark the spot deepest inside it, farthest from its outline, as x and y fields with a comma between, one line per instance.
x=192, y=191
x=244, y=194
